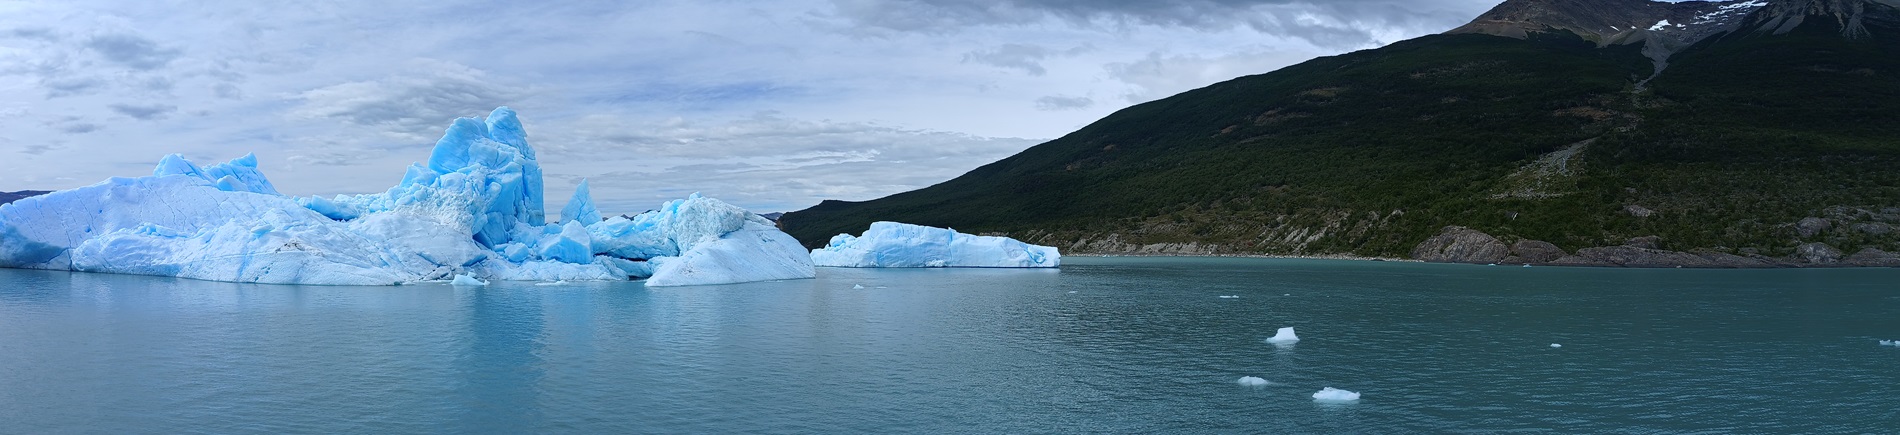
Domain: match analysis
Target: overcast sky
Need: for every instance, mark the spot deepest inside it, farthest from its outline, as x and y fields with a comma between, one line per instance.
x=773, y=106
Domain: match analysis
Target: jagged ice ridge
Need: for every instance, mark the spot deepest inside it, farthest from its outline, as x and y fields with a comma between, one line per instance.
x=473, y=212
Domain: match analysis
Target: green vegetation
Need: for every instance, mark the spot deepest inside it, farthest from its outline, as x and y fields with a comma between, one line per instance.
x=1371, y=152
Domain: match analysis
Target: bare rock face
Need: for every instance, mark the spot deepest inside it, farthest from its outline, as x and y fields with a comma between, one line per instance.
x=1456, y=244
x=1873, y=257
x=1638, y=211
x=1817, y=253
x=1811, y=226
x=1644, y=242
x=1873, y=228
x=1630, y=256
x=1536, y=251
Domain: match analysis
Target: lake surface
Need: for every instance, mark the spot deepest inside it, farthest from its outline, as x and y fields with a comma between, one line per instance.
x=1124, y=345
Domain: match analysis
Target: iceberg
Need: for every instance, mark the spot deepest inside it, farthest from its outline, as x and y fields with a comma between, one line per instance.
x=474, y=210
x=892, y=244
x=1285, y=336
x=1330, y=394
x=1890, y=342
x=1253, y=381
x=1555, y=345
x=467, y=281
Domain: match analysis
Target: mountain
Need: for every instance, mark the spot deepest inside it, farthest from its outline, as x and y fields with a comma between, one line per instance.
x=1605, y=132
x=8, y=197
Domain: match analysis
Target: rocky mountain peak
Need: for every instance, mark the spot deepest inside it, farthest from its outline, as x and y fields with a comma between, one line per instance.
x=1783, y=16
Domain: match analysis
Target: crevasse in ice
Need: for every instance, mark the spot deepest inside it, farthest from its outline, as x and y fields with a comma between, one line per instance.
x=474, y=209
x=892, y=244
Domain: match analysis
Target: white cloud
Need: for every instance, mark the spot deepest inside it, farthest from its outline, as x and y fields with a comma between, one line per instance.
x=773, y=105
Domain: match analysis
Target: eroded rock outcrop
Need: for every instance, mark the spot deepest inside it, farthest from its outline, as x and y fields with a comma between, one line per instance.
x=1456, y=244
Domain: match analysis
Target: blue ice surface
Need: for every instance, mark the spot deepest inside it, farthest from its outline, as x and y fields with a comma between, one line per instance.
x=892, y=244
x=475, y=208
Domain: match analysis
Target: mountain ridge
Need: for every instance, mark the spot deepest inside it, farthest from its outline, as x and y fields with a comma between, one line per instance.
x=1548, y=140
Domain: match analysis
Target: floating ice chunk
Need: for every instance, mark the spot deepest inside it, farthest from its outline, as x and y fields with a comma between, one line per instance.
x=755, y=252
x=551, y=283
x=1230, y=297
x=1330, y=394
x=1285, y=336
x=1556, y=345
x=857, y=287
x=892, y=244
x=1527, y=265
x=465, y=280
x=1071, y=291
x=1890, y=342
x=1252, y=381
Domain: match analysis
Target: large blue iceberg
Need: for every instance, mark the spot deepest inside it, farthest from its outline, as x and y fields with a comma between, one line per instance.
x=475, y=209
x=892, y=244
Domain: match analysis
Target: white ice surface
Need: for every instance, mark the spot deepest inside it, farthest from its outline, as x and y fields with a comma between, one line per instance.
x=475, y=209
x=1330, y=394
x=1285, y=335
x=467, y=281
x=892, y=244
x=1252, y=381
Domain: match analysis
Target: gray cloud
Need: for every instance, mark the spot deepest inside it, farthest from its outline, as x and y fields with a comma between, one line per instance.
x=1058, y=102
x=1330, y=23
x=1160, y=74
x=39, y=33
x=144, y=112
x=650, y=100
x=65, y=86
x=1025, y=57
x=413, y=105
x=132, y=51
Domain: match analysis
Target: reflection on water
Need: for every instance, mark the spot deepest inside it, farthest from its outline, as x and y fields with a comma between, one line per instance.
x=1103, y=345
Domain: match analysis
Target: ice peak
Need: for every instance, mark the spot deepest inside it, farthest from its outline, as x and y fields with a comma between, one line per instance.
x=581, y=208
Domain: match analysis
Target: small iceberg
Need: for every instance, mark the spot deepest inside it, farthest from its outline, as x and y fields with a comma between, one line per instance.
x=892, y=244
x=1285, y=336
x=551, y=283
x=857, y=287
x=1890, y=342
x=1554, y=345
x=1252, y=381
x=1330, y=394
x=468, y=281
x=1230, y=297
x=1527, y=265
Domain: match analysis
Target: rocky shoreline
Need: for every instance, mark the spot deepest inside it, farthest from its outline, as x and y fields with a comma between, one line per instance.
x=1457, y=244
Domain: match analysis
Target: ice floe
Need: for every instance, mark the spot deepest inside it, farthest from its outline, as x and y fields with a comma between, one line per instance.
x=1252, y=381
x=1330, y=394
x=469, y=281
x=1285, y=336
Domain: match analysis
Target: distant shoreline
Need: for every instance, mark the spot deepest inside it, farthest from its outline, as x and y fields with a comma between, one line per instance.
x=1411, y=260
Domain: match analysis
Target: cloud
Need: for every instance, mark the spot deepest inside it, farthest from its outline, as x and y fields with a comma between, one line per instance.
x=1025, y=57
x=144, y=112
x=1058, y=102
x=412, y=105
x=766, y=161
x=131, y=51
x=66, y=86
x=1339, y=24
x=1159, y=74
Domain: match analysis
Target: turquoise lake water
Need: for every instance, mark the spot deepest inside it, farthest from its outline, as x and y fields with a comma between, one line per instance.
x=1105, y=345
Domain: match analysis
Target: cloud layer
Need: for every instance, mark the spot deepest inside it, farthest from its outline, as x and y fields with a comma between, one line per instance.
x=774, y=106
